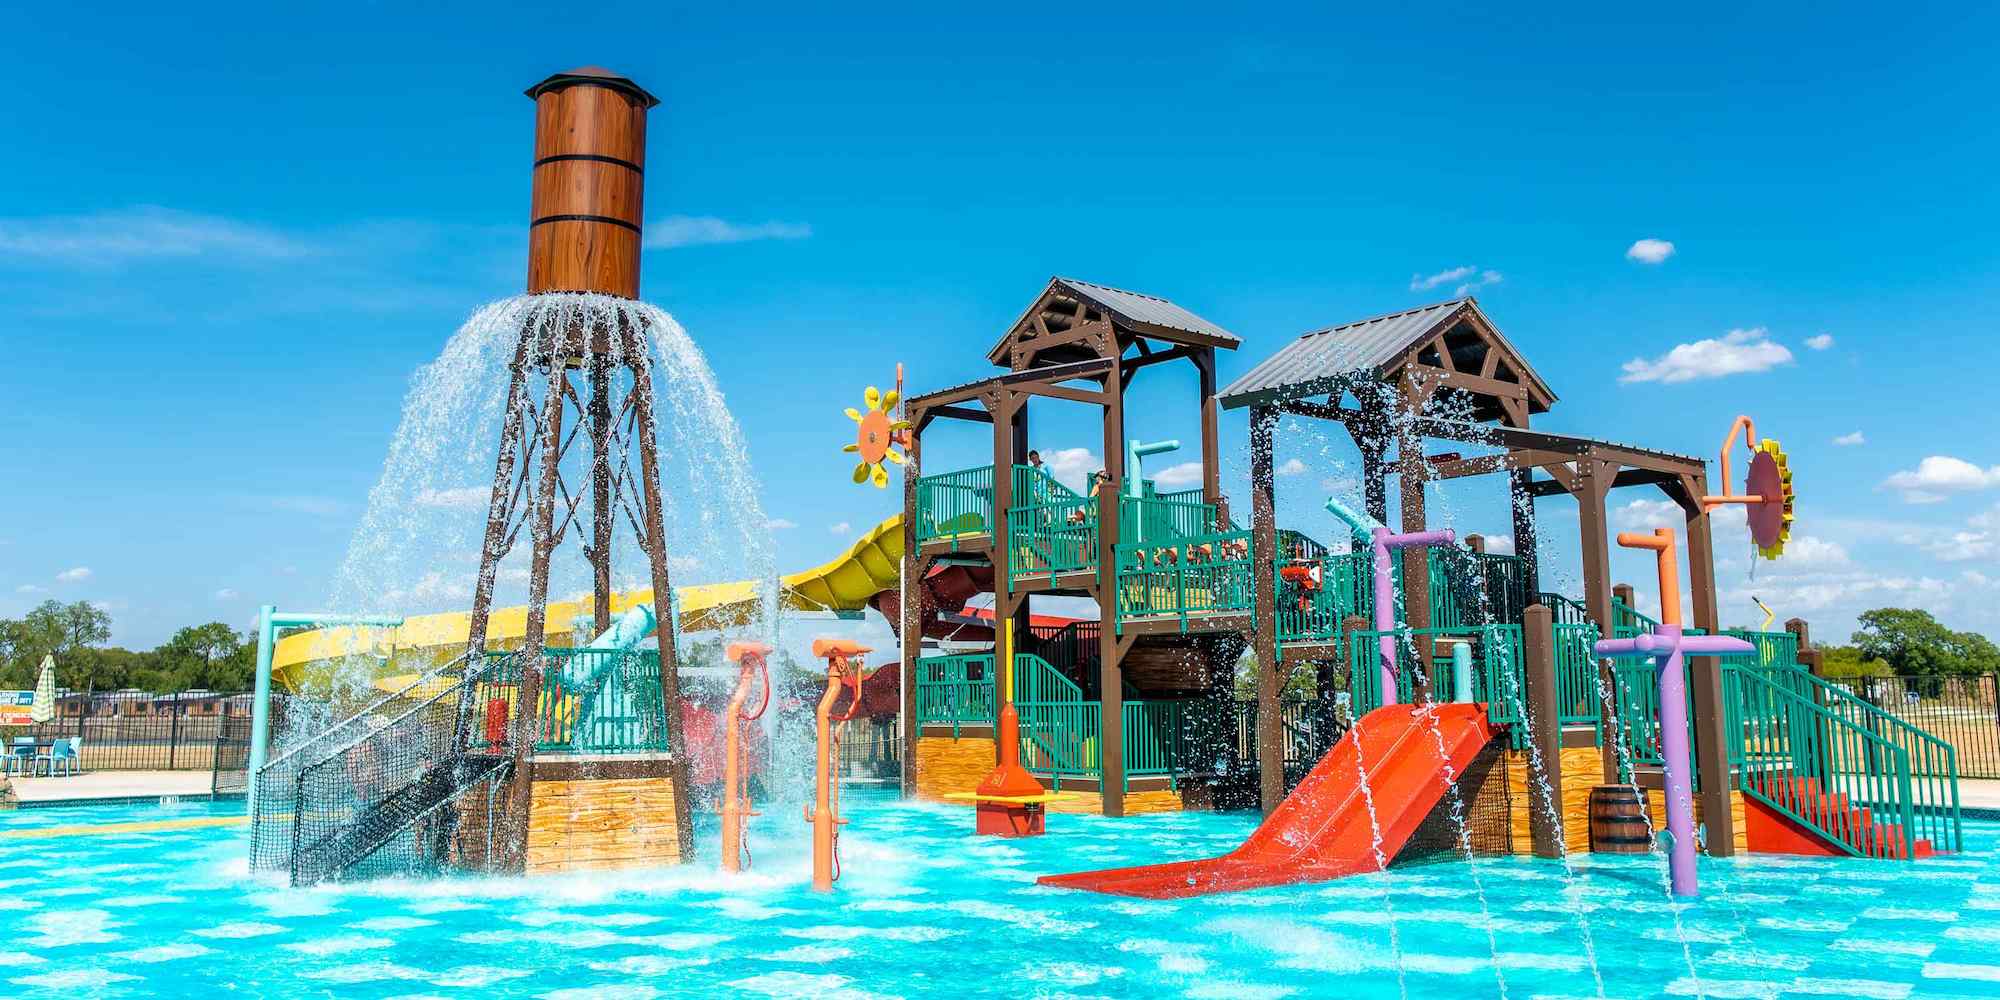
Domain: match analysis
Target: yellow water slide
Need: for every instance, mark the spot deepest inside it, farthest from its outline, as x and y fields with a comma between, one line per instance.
x=870, y=566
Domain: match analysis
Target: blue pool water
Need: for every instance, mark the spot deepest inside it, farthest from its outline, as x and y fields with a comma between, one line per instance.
x=925, y=910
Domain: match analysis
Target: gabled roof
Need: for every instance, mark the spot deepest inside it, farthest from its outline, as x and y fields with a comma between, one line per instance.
x=1147, y=315
x=1330, y=359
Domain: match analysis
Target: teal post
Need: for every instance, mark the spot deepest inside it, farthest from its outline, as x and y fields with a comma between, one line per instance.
x=260, y=704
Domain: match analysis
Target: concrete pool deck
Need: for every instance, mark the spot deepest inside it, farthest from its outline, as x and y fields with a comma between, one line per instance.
x=103, y=787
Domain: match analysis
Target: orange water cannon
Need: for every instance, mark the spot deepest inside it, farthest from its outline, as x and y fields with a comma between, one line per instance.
x=752, y=663
x=843, y=667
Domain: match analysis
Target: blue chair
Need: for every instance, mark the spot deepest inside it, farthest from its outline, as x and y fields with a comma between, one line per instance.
x=66, y=754
x=21, y=754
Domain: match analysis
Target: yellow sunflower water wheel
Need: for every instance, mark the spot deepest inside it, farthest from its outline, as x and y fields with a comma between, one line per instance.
x=879, y=433
x=1770, y=480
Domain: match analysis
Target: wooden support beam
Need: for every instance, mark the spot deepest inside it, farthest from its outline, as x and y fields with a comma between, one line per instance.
x=1264, y=638
x=1593, y=482
x=1151, y=358
x=1545, y=777
x=1211, y=446
x=1711, y=734
x=1111, y=653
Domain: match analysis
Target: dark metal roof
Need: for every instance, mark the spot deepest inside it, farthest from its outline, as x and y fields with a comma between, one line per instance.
x=1137, y=307
x=1323, y=361
x=1138, y=311
x=1327, y=360
x=595, y=76
x=1522, y=438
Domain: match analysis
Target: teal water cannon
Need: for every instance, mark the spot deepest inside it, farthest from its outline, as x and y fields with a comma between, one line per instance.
x=633, y=627
x=1135, y=453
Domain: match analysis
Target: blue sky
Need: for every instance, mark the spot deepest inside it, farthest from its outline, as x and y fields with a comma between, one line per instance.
x=228, y=239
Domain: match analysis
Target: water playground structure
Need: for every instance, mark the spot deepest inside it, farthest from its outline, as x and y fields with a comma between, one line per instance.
x=1459, y=707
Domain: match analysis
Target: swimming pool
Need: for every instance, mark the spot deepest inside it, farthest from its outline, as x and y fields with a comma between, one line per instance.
x=926, y=910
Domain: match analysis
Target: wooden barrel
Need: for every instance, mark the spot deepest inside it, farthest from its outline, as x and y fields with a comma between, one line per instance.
x=589, y=183
x=1618, y=821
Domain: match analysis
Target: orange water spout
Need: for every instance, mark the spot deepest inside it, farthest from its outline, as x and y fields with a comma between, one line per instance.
x=751, y=661
x=842, y=667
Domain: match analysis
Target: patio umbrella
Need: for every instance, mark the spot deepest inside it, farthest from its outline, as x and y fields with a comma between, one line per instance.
x=44, y=707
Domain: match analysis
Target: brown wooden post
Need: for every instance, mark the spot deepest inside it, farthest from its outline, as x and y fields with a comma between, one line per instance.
x=601, y=513
x=1110, y=668
x=910, y=607
x=1211, y=447
x=1711, y=734
x=1264, y=634
x=1593, y=481
x=1523, y=505
x=1476, y=543
x=527, y=718
x=1412, y=472
x=1624, y=594
x=1374, y=473
x=663, y=589
x=1809, y=656
x=1545, y=779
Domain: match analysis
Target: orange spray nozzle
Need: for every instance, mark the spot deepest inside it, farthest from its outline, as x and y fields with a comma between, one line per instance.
x=1661, y=542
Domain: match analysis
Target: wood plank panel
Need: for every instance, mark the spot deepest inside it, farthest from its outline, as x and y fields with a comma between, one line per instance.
x=602, y=823
x=947, y=765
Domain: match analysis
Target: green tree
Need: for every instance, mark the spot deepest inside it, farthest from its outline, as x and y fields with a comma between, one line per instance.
x=1911, y=643
x=202, y=656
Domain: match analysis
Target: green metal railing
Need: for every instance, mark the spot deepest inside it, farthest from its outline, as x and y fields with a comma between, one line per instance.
x=1158, y=520
x=598, y=701
x=1863, y=778
x=1346, y=588
x=955, y=504
x=1061, y=730
x=956, y=691
x=1578, y=700
x=1564, y=610
x=1497, y=676
x=1466, y=585
x=1198, y=575
x=1046, y=539
x=1626, y=621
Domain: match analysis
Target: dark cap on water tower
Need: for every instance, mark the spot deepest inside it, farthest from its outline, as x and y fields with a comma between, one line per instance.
x=589, y=183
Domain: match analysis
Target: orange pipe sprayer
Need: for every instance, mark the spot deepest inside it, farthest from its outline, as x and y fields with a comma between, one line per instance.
x=825, y=812
x=1661, y=541
x=751, y=663
x=1749, y=429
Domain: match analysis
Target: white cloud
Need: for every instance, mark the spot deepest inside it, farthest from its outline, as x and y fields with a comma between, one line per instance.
x=27, y=588
x=1938, y=475
x=141, y=233
x=1175, y=477
x=699, y=230
x=1979, y=539
x=840, y=527
x=226, y=594
x=74, y=575
x=1737, y=352
x=1809, y=552
x=1850, y=440
x=451, y=498
x=1820, y=341
x=1467, y=277
x=1500, y=545
x=780, y=524
x=1650, y=251
x=1071, y=466
x=1290, y=467
x=1645, y=515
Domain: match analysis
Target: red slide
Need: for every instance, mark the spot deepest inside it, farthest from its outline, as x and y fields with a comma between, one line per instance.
x=1322, y=830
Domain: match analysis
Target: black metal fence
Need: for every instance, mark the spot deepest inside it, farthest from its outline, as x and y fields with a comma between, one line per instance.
x=231, y=775
x=1963, y=711
x=141, y=731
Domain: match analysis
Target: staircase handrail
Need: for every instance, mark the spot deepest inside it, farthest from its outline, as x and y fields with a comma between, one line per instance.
x=1846, y=761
